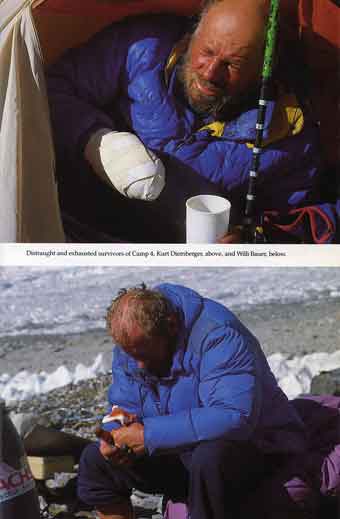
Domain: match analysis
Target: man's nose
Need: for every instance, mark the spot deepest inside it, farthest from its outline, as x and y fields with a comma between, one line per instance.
x=214, y=71
x=141, y=364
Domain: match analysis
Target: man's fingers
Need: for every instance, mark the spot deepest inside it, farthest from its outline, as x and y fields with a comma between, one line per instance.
x=106, y=449
x=139, y=450
x=114, y=454
x=119, y=435
x=130, y=438
x=103, y=445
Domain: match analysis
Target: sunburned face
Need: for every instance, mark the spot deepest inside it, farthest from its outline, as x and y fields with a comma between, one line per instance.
x=223, y=62
x=152, y=354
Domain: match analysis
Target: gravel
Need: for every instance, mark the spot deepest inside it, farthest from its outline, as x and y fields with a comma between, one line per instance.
x=295, y=329
x=77, y=409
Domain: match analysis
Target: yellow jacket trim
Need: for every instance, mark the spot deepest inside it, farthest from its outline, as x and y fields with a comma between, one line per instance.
x=287, y=120
x=216, y=128
x=176, y=53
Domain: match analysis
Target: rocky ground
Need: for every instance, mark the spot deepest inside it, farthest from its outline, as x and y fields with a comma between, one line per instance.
x=77, y=409
x=291, y=329
x=73, y=408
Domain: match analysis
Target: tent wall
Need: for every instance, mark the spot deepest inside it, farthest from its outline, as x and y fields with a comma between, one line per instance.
x=314, y=26
x=118, y=7
x=29, y=210
x=320, y=38
x=73, y=22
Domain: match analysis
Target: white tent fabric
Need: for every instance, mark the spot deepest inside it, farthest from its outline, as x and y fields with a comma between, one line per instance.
x=29, y=210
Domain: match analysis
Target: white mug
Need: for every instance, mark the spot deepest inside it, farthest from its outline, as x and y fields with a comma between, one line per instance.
x=207, y=218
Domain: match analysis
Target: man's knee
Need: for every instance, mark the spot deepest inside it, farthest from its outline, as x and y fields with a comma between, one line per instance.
x=91, y=459
x=224, y=459
x=88, y=466
x=99, y=482
x=210, y=456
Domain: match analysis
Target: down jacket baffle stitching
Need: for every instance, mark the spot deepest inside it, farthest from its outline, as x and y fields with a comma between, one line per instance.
x=121, y=72
x=220, y=385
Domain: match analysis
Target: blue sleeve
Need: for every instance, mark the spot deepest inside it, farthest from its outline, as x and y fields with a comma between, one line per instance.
x=84, y=85
x=229, y=394
x=124, y=390
x=81, y=85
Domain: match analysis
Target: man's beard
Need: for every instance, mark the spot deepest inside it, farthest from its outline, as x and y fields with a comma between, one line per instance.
x=221, y=106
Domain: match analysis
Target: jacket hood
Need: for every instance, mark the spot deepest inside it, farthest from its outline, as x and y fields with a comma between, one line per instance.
x=186, y=302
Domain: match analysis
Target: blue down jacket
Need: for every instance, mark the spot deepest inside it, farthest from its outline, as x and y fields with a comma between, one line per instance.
x=122, y=79
x=220, y=385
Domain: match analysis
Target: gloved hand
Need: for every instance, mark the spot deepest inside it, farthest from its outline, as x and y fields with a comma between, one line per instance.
x=121, y=159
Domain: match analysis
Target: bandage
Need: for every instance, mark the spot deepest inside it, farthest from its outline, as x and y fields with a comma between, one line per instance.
x=121, y=159
x=119, y=415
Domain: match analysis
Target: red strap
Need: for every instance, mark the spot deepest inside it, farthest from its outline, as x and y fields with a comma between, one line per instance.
x=311, y=212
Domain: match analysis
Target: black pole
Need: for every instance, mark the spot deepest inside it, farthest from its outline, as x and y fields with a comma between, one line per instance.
x=253, y=232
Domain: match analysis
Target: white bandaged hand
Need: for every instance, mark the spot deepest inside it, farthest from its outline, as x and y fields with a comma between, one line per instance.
x=122, y=159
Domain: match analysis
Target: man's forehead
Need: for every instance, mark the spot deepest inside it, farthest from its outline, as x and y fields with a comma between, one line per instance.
x=230, y=44
x=247, y=7
x=244, y=21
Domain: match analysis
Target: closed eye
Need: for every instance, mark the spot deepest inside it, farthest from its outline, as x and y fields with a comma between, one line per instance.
x=208, y=52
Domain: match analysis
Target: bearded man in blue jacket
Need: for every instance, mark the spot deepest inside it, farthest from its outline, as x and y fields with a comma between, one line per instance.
x=210, y=419
x=147, y=114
